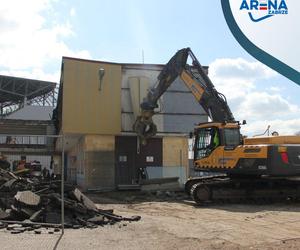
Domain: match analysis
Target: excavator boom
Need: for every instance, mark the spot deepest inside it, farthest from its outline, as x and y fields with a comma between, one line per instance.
x=196, y=80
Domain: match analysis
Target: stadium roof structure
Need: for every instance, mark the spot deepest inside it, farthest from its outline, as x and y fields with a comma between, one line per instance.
x=16, y=91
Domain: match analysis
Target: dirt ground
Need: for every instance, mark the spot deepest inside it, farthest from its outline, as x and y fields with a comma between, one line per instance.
x=175, y=223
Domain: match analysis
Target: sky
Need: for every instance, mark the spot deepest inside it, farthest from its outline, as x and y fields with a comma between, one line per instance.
x=35, y=34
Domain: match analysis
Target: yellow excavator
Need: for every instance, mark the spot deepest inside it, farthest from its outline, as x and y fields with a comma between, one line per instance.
x=258, y=168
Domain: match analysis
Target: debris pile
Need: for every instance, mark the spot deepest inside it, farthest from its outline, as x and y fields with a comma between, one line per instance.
x=30, y=203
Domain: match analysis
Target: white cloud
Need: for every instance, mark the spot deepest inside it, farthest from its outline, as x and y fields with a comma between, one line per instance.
x=240, y=68
x=36, y=73
x=233, y=88
x=237, y=79
x=30, y=42
x=275, y=89
x=283, y=127
x=262, y=105
x=72, y=12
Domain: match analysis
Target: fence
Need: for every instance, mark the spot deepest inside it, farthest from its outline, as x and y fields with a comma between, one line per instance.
x=37, y=148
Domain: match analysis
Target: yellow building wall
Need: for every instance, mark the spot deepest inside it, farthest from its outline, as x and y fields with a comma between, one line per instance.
x=175, y=152
x=99, y=153
x=86, y=109
x=99, y=142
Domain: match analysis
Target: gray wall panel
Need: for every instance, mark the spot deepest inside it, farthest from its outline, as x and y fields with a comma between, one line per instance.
x=126, y=101
x=178, y=85
x=180, y=110
x=151, y=74
x=181, y=103
x=181, y=123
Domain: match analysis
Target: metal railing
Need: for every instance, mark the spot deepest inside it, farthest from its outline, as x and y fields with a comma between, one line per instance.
x=24, y=139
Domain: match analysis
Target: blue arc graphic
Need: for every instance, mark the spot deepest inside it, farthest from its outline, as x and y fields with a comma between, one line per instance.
x=255, y=51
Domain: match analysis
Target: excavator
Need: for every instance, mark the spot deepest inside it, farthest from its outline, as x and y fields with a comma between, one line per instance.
x=238, y=168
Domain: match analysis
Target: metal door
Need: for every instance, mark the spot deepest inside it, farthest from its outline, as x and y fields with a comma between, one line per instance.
x=125, y=159
x=150, y=155
x=129, y=161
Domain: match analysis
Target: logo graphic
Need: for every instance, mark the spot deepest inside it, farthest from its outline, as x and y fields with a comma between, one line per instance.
x=278, y=59
x=264, y=8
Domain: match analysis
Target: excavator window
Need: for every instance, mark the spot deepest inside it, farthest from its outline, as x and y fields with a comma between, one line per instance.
x=207, y=139
x=232, y=137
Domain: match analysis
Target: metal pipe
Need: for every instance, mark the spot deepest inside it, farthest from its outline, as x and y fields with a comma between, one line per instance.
x=62, y=184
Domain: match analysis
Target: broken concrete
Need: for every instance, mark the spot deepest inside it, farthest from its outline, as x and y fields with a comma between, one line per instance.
x=99, y=220
x=3, y=215
x=29, y=204
x=85, y=200
x=28, y=198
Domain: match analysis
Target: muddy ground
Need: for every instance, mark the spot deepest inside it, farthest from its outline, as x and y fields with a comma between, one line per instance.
x=174, y=222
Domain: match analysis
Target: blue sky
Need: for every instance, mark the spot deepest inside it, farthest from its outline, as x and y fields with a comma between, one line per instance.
x=36, y=34
x=120, y=31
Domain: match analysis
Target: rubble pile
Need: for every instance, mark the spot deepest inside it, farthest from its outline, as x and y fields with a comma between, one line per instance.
x=31, y=203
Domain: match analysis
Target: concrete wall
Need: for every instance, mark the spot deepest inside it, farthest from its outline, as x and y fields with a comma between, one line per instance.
x=86, y=109
x=179, y=109
x=175, y=151
x=75, y=163
x=91, y=162
x=175, y=157
x=99, y=161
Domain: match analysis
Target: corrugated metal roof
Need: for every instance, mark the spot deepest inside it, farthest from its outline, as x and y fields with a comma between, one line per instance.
x=15, y=89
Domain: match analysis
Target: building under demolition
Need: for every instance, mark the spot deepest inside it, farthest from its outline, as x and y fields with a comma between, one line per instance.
x=96, y=108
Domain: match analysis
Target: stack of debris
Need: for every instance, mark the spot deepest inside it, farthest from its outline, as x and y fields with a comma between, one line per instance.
x=32, y=203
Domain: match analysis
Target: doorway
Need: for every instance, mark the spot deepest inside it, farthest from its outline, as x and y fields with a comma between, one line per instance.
x=129, y=163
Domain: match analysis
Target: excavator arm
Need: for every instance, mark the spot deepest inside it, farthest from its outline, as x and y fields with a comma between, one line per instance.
x=196, y=80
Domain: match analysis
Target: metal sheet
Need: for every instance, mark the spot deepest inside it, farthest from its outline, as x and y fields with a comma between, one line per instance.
x=86, y=108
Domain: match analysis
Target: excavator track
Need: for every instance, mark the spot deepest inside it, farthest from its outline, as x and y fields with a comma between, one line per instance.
x=223, y=189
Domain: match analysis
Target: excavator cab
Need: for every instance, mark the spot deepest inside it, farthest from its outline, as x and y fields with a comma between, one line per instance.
x=210, y=136
x=206, y=140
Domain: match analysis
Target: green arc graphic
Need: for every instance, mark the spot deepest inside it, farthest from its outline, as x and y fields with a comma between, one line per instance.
x=255, y=51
